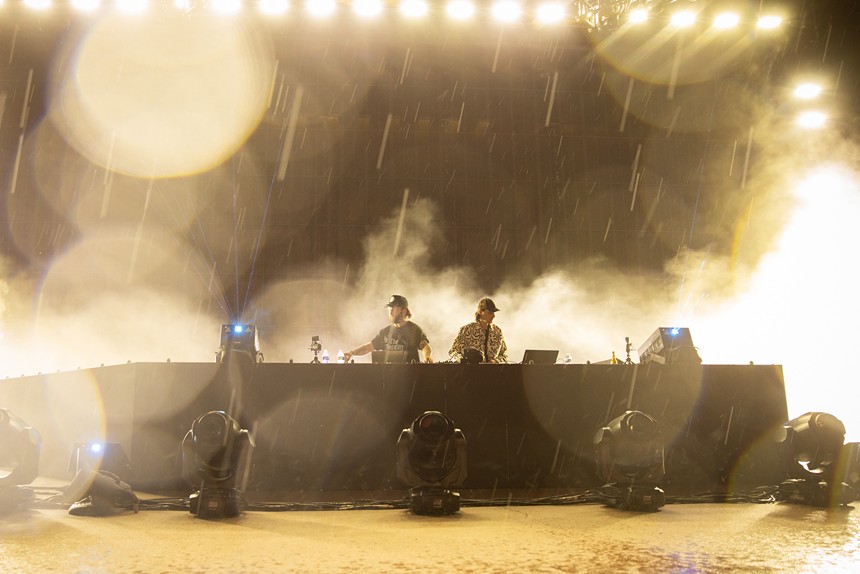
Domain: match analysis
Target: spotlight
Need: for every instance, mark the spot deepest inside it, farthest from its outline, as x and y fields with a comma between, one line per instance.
x=630, y=461
x=812, y=447
x=19, y=450
x=19, y=462
x=431, y=457
x=215, y=458
x=239, y=339
x=97, y=456
x=849, y=466
x=670, y=345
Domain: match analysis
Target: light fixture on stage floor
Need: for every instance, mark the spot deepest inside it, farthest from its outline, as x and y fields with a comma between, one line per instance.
x=431, y=458
x=215, y=459
x=19, y=450
x=19, y=461
x=849, y=466
x=669, y=346
x=811, y=448
x=630, y=460
x=97, y=456
x=237, y=339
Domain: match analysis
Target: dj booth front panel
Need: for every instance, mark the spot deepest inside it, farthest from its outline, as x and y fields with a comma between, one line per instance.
x=335, y=427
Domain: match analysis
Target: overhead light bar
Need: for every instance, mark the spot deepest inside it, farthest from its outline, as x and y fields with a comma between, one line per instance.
x=811, y=120
x=274, y=7
x=551, y=12
x=414, y=9
x=726, y=20
x=769, y=22
x=86, y=5
x=460, y=9
x=226, y=7
x=320, y=8
x=506, y=11
x=683, y=19
x=367, y=8
x=588, y=14
x=807, y=91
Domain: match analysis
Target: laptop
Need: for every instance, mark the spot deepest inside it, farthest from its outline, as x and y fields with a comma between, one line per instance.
x=386, y=357
x=540, y=356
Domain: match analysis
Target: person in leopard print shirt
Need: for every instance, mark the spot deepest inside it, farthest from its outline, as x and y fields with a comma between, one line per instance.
x=481, y=335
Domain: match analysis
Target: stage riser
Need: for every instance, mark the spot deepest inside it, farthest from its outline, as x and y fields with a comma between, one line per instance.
x=334, y=427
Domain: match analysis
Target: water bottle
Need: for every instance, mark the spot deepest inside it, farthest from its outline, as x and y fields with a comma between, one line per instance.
x=568, y=359
x=325, y=356
x=340, y=356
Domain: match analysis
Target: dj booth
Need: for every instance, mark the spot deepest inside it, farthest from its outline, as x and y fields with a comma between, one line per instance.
x=334, y=427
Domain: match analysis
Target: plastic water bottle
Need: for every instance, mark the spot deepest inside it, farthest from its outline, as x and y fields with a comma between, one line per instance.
x=325, y=356
x=340, y=356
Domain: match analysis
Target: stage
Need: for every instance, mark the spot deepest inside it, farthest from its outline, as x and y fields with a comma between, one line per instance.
x=713, y=538
x=331, y=428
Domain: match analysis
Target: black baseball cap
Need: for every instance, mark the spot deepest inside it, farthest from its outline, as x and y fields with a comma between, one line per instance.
x=397, y=301
x=487, y=304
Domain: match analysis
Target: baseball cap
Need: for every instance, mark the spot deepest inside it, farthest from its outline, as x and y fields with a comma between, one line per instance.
x=487, y=304
x=397, y=301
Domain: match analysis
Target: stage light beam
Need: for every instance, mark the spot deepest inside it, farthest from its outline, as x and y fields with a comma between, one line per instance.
x=807, y=91
x=367, y=8
x=226, y=7
x=414, y=9
x=507, y=11
x=726, y=20
x=811, y=119
x=86, y=5
x=769, y=22
x=320, y=8
x=683, y=19
x=274, y=7
x=551, y=13
x=132, y=7
x=461, y=10
x=638, y=16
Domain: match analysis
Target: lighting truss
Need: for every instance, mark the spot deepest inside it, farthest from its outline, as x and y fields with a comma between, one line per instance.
x=589, y=14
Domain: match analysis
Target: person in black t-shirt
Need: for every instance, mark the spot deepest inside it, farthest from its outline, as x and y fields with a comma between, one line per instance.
x=401, y=335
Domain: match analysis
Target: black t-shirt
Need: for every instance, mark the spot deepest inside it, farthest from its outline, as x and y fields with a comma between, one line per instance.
x=404, y=338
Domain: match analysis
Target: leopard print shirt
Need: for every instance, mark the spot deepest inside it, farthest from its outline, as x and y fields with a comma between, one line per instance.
x=473, y=335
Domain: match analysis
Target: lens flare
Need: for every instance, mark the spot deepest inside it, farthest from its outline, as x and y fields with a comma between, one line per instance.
x=162, y=95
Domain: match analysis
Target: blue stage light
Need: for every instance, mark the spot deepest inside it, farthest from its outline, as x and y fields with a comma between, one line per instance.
x=242, y=338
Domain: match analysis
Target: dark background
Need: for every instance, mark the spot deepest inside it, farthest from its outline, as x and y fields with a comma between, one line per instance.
x=515, y=197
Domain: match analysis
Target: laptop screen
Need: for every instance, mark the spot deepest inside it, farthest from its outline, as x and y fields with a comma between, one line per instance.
x=540, y=356
x=383, y=357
